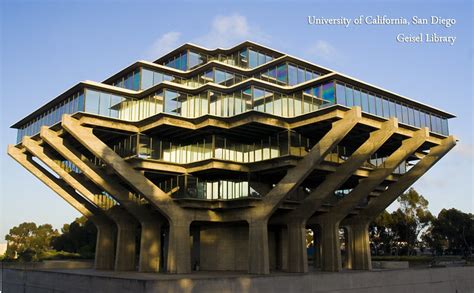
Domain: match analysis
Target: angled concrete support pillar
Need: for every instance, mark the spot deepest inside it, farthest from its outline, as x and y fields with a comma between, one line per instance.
x=297, y=254
x=179, y=248
x=330, y=247
x=74, y=180
x=308, y=163
x=104, y=255
x=259, y=262
x=334, y=180
x=150, y=243
x=126, y=235
x=105, y=244
x=162, y=201
x=359, y=246
x=379, y=204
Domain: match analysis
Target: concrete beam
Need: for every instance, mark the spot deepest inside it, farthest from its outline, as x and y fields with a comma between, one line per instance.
x=335, y=180
x=379, y=204
x=377, y=176
x=133, y=177
x=178, y=252
x=367, y=185
x=258, y=217
x=150, y=223
x=315, y=156
x=125, y=250
x=104, y=256
x=75, y=182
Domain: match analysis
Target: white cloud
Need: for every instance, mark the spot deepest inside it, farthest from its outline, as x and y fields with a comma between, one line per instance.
x=229, y=30
x=224, y=31
x=164, y=44
x=323, y=50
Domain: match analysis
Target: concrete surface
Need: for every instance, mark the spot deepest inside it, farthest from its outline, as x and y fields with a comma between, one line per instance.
x=455, y=279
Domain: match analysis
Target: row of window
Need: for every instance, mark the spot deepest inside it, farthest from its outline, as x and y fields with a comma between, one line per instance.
x=220, y=104
x=349, y=95
x=288, y=74
x=246, y=58
x=70, y=105
x=283, y=74
x=194, y=187
x=219, y=147
x=130, y=81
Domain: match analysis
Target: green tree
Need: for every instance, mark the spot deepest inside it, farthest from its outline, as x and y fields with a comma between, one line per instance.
x=380, y=234
x=452, y=230
x=411, y=219
x=401, y=231
x=77, y=237
x=28, y=241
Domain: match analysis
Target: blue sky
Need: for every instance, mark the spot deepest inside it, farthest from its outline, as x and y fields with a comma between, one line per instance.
x=48, y=46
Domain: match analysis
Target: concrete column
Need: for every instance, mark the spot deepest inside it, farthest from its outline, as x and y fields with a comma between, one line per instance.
x=283, y=249
x=330, y=247
x=150, y=247
x=297, y=254
x=347, y=261
x=259, y=262
x=359, y=246
x=179, y=248
x=104, y=248
x=317, y=246
x=126, y=236
x=151, y=225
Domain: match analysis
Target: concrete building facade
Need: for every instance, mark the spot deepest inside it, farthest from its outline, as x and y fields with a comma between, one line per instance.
x=222, y=159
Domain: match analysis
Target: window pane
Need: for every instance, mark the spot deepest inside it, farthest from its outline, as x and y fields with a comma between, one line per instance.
x=365, y=102
x=194, y=59
x=253, y=59
x=92, y=101
x=292, y=75
x=219, y=76
x=104, y=104
x=328, y=92
x=444, y=126
x=136, y=80
x=282, y=73
x=411, y=119
x=115, y=104
x=393, y=112
x=404, y=114
x=172, y=104
x=247, y=99
x=378, y=106
x=357, y=101
x=300, y=75
x=147, y=78
x=341, y=94
x=258, y=99
x=349, y=97
x=386, y=108
x=371, y=103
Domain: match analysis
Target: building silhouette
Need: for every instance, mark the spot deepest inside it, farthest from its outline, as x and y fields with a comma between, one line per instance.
x=221, y=159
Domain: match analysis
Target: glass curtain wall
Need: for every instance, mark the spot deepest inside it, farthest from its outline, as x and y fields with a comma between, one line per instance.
x=382, y=106
x=70, y=105
x=288, y=74
x=245, y=58
x=195, y=187
x=130, y=81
